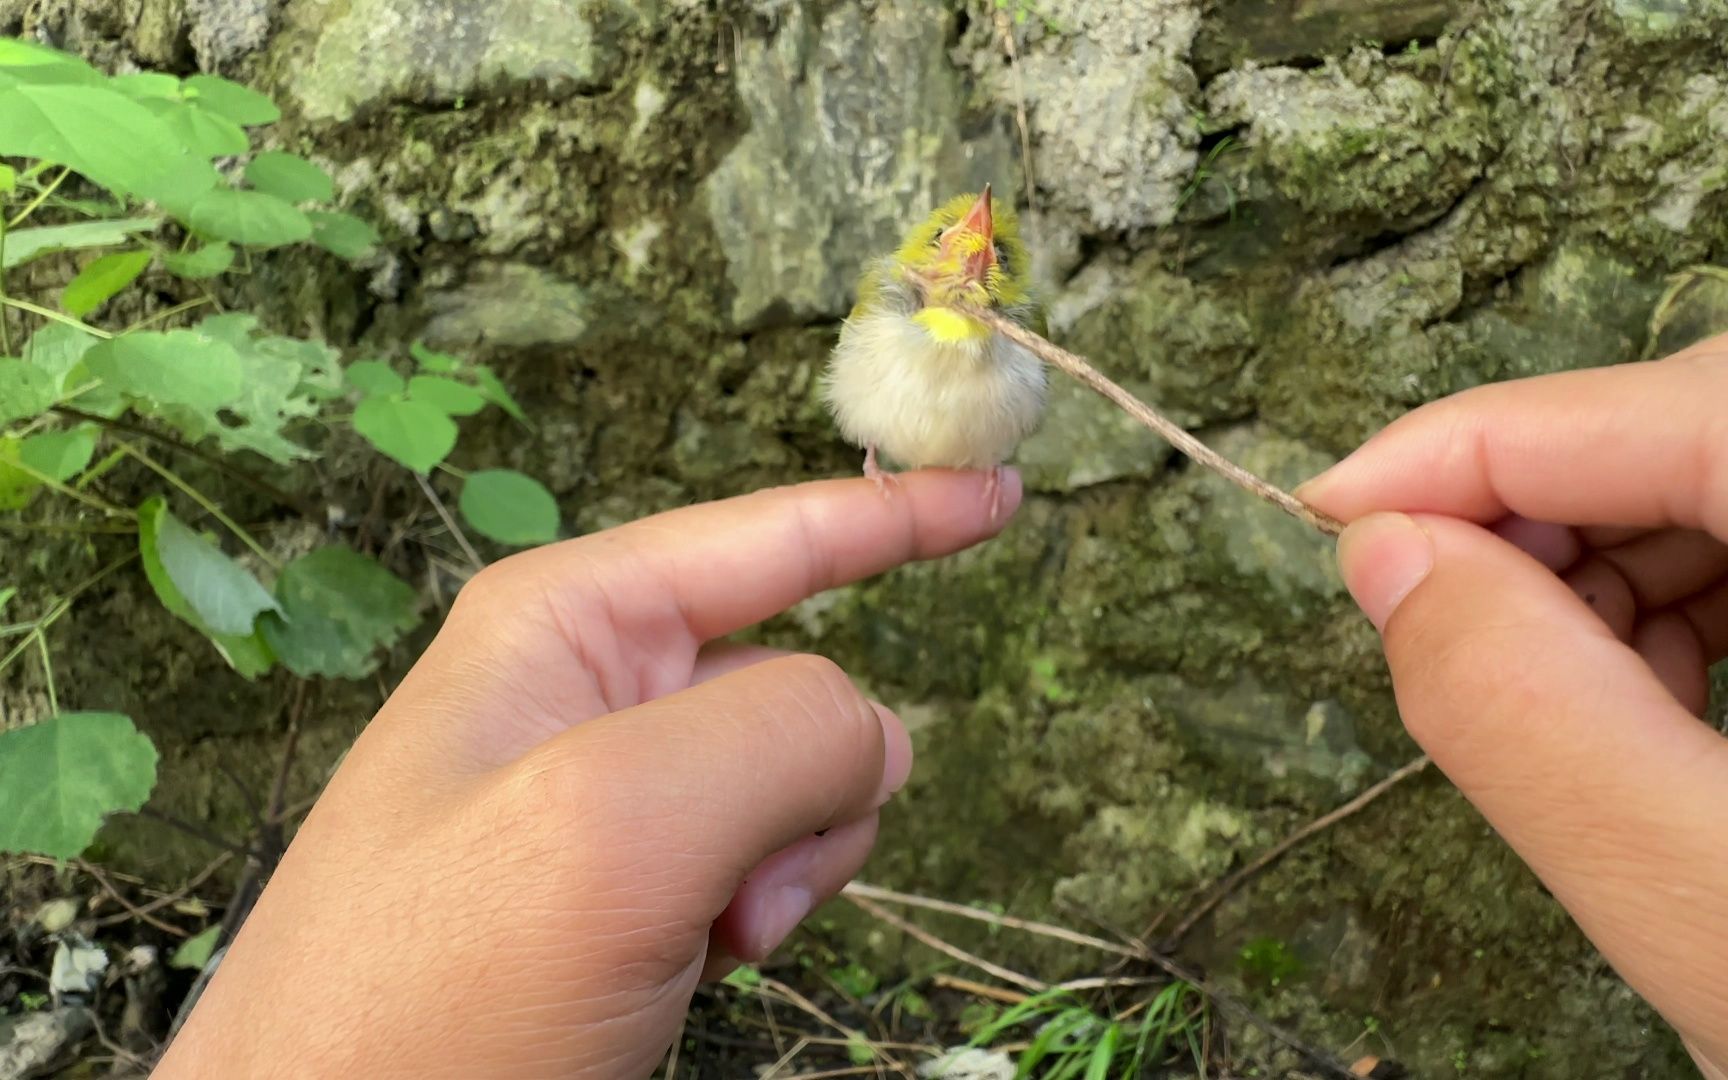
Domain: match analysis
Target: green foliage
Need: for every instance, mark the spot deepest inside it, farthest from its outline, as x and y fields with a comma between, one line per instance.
x=145, y=170
x=60, y=777
x=509, y=507
x=1069, y=1040
x=1270, y=959
x=195, y=951
x=337, y=608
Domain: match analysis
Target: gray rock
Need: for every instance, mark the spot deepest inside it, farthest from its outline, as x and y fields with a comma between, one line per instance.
x=224, y=30
x=30, y=1044
x=508, y=304
x=855, y=135
x=375, y=50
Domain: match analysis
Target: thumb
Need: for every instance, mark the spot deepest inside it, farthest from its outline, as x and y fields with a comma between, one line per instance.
x=1567, y=742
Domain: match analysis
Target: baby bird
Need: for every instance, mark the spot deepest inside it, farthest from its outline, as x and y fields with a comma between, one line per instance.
x=920, y=383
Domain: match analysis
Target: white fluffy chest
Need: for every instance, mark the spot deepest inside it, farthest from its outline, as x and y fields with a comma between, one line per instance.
x=921, y=402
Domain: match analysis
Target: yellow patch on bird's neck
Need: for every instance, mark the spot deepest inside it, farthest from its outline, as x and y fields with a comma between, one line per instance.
x=949, y=327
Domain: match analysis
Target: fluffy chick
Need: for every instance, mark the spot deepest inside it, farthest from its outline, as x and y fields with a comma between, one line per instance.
x=918, y=382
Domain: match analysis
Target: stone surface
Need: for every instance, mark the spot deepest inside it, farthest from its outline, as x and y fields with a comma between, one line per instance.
x=855, y=134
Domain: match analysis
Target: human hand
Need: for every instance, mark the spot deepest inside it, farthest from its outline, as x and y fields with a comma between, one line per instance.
x=1546, y=562
x=574, y=807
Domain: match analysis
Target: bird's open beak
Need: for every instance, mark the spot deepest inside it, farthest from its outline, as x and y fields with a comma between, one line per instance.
x=978, y=222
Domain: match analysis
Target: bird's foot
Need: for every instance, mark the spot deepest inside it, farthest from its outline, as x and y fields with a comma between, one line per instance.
x=876, y=474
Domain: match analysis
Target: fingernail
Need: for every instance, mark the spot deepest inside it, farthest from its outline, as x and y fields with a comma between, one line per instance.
x=896, y=754
x=782, y=911
x=1383, y=557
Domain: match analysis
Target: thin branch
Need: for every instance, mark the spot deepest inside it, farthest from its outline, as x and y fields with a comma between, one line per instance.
x=877, y=911
x=1205, y=456
x=213, y=460
x=131, y=908
x=55, y=316
x=204, y=501
x=167, y=899
x=168, y=313
x=450, y=523
x=41, y=197
x=1272, y=854
x=856, y=889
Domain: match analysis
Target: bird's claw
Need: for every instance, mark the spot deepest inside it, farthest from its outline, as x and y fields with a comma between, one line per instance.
x=876, y=474
x=993, y=492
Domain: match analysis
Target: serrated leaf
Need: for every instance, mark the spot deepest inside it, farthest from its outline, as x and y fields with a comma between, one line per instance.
x=439, y=363
x=60, y=777
x=374, y=377
x=342, y=235
x=205, y=132
x=179, y=367
x=338, y=608
x=241, y=104
x=194, y=952
x=447, y=395
x=247, y=217
x=25, y=390
x=97, y=283
x=105, y=136
x=413, y=433
x=206, y=262
x=26, y=244
x=224, y=595
x=498, y=394
x=59, y=454
x=290, y=177
x=509, y=507
x=279, y=380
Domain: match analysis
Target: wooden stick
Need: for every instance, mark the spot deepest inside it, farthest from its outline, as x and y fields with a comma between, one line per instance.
x=1169, y=430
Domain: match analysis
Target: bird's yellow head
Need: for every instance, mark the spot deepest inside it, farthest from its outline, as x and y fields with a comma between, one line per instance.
x=969, y=250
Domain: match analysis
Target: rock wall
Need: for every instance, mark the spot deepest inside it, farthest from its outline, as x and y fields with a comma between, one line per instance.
x=1287, y=224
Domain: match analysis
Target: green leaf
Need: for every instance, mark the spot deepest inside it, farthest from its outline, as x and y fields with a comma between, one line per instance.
x=8, y=179
x=26, y=244
x=57, y=349
x=289, y=177
x=59, y=454
x=224, y=596
x=448, y=395
x=413, y=433
x=26, y=61
x=338, y=608
x=25, y=390
x=195, y=951
x=374, y=377
x=208, y=133
x=342, y=235
x=240, y=104
x=509, y=507
x=147, y=84
x=6, y=595
x=282, y=379
x=180, y=367
x=439, y=363
x=17, y=487
x=97, y=283
x=105, y=136
x=498, y=394
x=248, y=217
x=59, y=778
x=246, y=654
x=206, y=262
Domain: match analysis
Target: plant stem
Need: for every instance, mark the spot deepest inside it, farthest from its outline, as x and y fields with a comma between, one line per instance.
x=204, y=501
x=47, y=672
x=63, y=605
x=1092, y=378
x=5, y=335
x=168, y=313
x=72, y=493
x=450, y=523
x=50, y=313
x=41, y=197
x=213, y=460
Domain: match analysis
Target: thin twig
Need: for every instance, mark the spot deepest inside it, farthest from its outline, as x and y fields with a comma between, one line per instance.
x=877, y=911
x=450, y=523
x=1002, y=995
x=131, y=909
x=1205, y=456
x=215, y=461
x=177, y=895
x=204, y=501
x=1271, y=854
x=1316, y=1057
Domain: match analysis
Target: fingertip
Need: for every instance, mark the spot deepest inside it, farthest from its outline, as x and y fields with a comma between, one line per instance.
x=896, y=753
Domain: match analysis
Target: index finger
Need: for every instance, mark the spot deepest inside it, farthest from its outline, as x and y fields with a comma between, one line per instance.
x=726, y=565
x=1641, y=444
